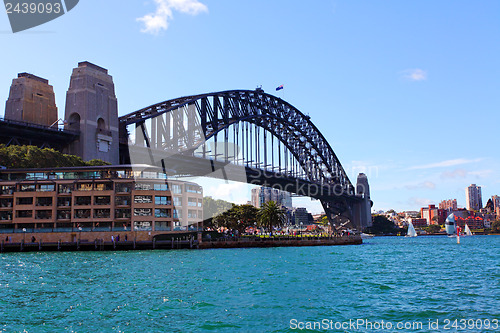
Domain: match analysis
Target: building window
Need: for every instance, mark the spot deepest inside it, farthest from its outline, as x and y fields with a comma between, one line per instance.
x=65, y=188
x=44, y=201
x=177, y=201
x=177, y=189
x=122, y=213
x=161, y=200
x=177, y=214
x=102, y=213
x=162, y=226
x=104, y=187
x=122, y=200
x=123, y=188
x=142, y=211
x=102, y=200
x=82, y=213
x=43, y=214
x=193, y=202
x=143, y=186
x=46, y=188
x=6, y=202
x=144, y=225
x=25, y=201
x=143, y=199
x=200, y=202
x=27, y=188
x=82, y=201
x=192, y=214
x=162, y=212
x=193, y=189
x=160, y=187
x=63, y=214
x=63, y=202
x=24, y=213
x=6, y=189
x=5, y=216
x=84, y=187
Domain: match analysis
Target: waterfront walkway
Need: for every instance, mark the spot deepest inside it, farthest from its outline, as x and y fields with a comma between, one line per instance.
x=101, y=245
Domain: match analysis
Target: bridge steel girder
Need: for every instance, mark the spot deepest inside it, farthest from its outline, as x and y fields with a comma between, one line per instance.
x=218, y=111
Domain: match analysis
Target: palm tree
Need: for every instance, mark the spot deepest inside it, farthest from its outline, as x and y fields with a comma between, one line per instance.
x=271, y=215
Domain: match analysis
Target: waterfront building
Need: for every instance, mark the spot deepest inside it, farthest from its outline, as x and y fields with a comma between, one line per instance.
x=473, y=197
x=418, y=222
x=31, y=100
x=261, y=195
x=119, y=198
x=450, y=204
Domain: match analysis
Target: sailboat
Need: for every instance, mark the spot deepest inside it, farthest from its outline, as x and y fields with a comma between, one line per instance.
x=411, y=230
x=449, y=225
x=467, y=230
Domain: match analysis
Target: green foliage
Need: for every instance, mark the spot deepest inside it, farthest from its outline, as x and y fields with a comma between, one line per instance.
x=212, y=208
x=29, y=157
x=271, y=215
x=239, y=217
x=495, y=227
x=382, y=225
x=433, y=228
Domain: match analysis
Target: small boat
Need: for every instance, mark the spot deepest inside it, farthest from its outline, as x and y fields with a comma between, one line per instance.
x=366, y=236
x=411, y=231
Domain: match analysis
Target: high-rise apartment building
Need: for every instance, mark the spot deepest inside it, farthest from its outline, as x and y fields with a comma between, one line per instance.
x=473, y=197
x=450, y=204
x=261, y=195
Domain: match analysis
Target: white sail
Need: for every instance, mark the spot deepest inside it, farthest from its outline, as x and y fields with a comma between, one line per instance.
x=411, y=231
x=467, y=230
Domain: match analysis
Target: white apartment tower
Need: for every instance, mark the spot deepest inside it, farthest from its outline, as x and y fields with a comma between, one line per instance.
x=473, y=197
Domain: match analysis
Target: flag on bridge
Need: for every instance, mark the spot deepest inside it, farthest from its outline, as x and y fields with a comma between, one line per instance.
x=279, y=88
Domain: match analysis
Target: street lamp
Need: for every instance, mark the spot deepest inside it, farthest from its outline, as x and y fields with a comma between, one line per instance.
x=301, y=230
x=24, y=234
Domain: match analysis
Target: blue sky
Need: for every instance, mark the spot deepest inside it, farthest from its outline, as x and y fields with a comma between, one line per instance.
x=407, y=91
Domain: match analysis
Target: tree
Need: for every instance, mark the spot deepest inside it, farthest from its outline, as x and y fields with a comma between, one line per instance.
x=26, y=157
x=433, y=228
x=495, y=227
x=382, y=225
x=239, y=217
x=271, y=215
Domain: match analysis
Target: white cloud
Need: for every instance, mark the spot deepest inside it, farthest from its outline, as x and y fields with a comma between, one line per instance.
x=415, y=74
x=159, y=20
x=420, y=202
x=448, y=163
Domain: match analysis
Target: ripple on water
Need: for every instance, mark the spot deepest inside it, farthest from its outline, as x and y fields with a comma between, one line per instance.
x=250, y=289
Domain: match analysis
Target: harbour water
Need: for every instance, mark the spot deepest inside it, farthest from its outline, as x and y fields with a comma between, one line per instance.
x=389, y=279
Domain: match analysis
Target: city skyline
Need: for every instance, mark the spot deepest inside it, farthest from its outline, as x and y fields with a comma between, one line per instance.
x=388, y=84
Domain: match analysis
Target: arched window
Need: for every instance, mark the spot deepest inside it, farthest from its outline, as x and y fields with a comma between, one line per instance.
x=101, y=124
x=74, y=122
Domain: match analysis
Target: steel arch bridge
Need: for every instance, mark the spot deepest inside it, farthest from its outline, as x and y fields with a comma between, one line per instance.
x=272, y=141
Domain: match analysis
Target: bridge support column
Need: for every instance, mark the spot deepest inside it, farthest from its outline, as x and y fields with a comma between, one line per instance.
x=361, y=210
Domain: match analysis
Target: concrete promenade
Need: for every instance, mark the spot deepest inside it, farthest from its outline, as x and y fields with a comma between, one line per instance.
x=175, y=243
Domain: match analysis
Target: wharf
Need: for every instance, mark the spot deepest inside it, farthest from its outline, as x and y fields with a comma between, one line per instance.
x=243, y=242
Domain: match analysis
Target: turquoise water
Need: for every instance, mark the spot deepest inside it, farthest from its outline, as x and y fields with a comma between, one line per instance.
x=254, y=290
